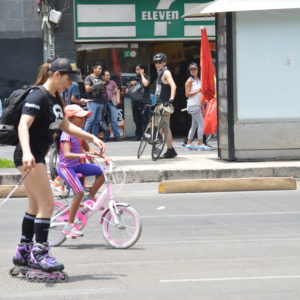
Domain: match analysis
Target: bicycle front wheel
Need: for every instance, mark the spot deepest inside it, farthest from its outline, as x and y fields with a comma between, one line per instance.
x=59, y=219
x=159, y=141
x=127, y=232
x=145, y=139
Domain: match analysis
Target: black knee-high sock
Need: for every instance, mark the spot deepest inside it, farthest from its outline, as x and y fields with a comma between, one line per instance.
x=41, y=229
x=27, y=228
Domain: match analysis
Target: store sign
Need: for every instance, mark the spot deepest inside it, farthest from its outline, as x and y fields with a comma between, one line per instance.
x=160, y=15
x=127, y=20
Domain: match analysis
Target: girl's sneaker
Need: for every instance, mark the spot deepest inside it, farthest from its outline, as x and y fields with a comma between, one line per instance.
x=72, y=230
x=190, y=147
x=86, y=198
x=203, y=147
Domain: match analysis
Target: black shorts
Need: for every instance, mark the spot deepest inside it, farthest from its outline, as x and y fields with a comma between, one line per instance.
x=38, y=154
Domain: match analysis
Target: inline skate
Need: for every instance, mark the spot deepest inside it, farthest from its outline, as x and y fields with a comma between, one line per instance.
x=43, y=267
x=21, y=259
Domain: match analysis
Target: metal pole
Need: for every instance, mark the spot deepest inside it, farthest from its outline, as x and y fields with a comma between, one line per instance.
x=48, y=32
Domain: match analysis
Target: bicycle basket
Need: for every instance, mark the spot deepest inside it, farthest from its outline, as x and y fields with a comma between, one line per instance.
x=117, y=178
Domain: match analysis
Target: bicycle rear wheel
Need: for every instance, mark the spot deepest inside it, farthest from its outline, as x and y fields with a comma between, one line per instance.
x=159, y=141
x=145, y=139
x=58, y=222
x=53, y=160
x=127, y=233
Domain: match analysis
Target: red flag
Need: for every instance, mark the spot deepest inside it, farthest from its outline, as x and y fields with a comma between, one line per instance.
x=207, y=69
x=115, y=61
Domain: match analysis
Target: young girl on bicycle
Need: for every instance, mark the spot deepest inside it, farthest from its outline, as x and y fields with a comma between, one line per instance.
x=72, y=152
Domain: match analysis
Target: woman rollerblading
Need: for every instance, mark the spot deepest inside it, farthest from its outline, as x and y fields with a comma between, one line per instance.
x=41, y=115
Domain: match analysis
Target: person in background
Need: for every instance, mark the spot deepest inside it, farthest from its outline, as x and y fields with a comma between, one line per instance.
x=72, y=95
x=96, y=91
x=165, y=93
x=141, y=113
x=194, y=93
x=113, y=99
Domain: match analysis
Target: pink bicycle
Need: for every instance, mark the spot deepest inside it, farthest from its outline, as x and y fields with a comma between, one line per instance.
x=121, y=223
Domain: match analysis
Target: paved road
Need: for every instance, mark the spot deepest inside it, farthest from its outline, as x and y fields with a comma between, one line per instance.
x=233, y=246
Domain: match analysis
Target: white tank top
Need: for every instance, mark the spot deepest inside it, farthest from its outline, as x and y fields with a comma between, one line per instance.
x=196, y=99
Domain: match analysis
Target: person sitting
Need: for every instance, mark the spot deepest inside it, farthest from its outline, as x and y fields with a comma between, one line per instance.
x=72, y=151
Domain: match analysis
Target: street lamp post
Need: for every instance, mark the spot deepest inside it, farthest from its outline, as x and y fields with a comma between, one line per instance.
x=50, y=19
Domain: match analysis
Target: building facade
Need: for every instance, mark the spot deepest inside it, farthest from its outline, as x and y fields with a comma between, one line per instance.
x=119, y=33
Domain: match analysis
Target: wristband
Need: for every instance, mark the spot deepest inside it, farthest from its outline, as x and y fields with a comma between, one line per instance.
x=82, y=156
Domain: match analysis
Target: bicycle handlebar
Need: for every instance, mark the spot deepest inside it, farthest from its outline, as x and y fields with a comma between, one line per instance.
x=158, y=103
x=100, y=166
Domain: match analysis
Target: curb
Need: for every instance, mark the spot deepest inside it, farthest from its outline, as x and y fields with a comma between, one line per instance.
x=227, y=185
x=18, y=193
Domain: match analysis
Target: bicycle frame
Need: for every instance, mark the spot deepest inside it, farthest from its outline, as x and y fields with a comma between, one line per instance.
x=156, y=118
x=107, y=194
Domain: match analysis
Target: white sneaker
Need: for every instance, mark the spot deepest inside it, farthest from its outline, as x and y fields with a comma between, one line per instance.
x=72, y=230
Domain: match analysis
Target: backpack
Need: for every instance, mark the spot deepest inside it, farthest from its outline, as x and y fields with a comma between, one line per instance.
x=105, y=124
x=136, y=92
x=9, y=120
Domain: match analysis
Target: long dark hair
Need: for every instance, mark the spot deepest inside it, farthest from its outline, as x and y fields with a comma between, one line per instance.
x=141, y=66
x=43, y=75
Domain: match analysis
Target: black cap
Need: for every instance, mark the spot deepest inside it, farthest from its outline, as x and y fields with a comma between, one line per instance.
x=66, y=66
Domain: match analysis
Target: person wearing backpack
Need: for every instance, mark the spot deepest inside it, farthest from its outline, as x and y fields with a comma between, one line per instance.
x=140, y=96
x=42, y=113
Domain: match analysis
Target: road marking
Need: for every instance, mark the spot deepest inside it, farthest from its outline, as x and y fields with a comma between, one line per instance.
x=220, y=241
x=230, y=279
x=226, y=215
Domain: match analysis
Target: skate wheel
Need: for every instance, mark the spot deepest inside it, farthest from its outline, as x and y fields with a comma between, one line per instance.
x=41, y=279
x=63, y=278
x=51, y=280
x=13, y=272
x=30, y=277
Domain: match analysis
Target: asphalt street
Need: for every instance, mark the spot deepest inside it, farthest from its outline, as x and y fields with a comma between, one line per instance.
x=242, y=245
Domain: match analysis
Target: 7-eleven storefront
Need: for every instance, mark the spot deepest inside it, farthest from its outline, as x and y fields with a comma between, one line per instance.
x=122, y=34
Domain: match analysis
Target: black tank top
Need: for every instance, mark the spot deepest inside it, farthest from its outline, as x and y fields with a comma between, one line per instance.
x=163, y=91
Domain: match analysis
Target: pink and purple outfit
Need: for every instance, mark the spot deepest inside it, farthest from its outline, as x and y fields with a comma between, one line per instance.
x=68, y=168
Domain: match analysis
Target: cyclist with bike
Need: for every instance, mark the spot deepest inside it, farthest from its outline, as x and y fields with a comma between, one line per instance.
x=165, y=94
x=70, y=158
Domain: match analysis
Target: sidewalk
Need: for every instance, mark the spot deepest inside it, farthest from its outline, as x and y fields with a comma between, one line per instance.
x=188, y=165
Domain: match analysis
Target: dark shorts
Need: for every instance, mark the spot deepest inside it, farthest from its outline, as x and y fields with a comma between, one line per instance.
x=38, y=154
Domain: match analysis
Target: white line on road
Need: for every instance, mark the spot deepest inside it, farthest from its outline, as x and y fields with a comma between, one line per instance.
x=220, y=241
x=230, y=279
x=227, y=214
